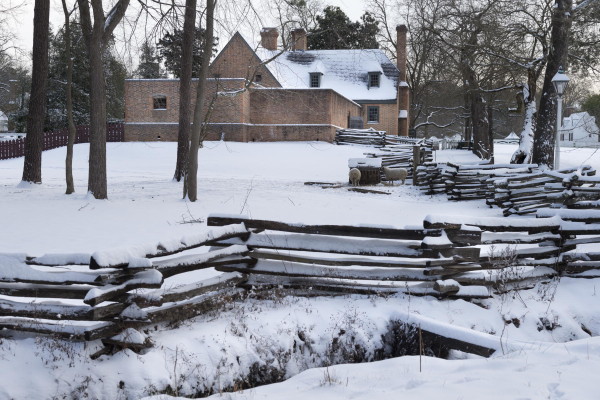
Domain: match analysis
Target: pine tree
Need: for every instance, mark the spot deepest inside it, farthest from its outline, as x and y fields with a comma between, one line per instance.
x=115, y=80
x=149, y=67
x=334, y=30
x=170, y=50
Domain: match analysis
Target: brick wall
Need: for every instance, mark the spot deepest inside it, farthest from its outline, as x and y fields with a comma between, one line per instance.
x=388, y=117
x=238, y=60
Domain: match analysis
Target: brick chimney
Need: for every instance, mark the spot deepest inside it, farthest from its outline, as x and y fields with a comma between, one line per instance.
x=299, y=39
x=403, y=90
x=268, y=38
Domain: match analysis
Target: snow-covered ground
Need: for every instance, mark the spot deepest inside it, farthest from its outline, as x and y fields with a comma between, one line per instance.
x=266, y=180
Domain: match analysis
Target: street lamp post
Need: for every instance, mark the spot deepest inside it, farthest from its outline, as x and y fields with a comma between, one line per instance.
x=560, y=82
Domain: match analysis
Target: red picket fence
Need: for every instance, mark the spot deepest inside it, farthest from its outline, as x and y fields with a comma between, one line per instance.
x=16, y=148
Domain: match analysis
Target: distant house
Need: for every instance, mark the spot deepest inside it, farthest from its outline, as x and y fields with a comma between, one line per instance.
x=265, y=94
x=580, y=130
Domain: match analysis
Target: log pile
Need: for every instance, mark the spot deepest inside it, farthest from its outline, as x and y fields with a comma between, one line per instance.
x=364, y=137
x=525, y=194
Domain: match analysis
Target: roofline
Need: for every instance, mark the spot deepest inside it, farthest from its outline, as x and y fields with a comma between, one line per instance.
x=177, y=79
x=373, y=101
x=309, y=89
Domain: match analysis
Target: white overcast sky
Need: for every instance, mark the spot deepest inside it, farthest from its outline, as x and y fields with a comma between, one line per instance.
x=22, y=25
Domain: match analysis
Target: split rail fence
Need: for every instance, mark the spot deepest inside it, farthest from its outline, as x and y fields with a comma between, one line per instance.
x=518, y=189
x=52, y=140
x=110, y=297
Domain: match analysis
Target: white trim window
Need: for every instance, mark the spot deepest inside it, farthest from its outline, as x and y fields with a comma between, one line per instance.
x=373, y=114
x=159, y=102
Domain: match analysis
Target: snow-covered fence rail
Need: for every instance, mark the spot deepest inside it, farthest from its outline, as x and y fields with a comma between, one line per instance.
x=52, y=140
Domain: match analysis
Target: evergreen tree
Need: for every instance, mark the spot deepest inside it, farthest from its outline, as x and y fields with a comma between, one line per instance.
x=149, y=67
x=115, y=81
x=170, y=49
x=592, y=106
x=334, y=30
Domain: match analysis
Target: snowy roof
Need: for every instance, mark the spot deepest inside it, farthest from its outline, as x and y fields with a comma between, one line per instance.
x=512, y=135
x=3, y=116
x=580, y=120
x=345, y=71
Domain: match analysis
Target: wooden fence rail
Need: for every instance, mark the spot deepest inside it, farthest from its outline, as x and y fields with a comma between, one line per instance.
x=124, y=290
x=52, y=140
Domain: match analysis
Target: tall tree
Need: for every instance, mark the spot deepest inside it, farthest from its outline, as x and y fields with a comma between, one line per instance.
x=190, y=189
x=69, y=99
x=32, y=168
x=543, y=145
x=97, y=34
x=170, y=49
x=115, y=74
x=592, y=106
x=185, y=91
x=334, y=30
x=149, y=66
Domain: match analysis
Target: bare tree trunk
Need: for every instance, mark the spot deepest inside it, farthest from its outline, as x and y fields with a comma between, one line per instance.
x=190, y=188
x=32, y=166
x=185, y=90
x=69, y=98
x=523, y=154
x=543, y=145
x=97, y=182
x=96, y=36
x=479, y=118
x=481, y=138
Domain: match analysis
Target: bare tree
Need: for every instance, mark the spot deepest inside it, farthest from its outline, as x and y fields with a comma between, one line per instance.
x=32, y=167
x=97, y=33
x=185, y=90
x=190, y=189
x=69, y=100
x=543, y=145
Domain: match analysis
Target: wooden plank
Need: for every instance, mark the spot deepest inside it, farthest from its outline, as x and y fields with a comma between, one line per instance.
x=347, y=261
x=44, y=291
x=335, y=230
x=178, y=265
x=299, y=270
x=120, y=258
x=334, y=245
x=150, y=279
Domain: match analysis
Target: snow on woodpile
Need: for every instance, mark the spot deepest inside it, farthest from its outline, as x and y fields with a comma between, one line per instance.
x=364, y=162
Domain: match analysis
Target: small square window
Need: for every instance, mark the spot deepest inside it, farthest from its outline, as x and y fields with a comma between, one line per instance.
x=373, y=114
x=159, y=102
x=257, y=78
x=374, y=79
x=315, y=80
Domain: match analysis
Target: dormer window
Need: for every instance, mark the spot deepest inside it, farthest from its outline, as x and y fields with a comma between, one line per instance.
x=159, y=102
x=315, y=79
x=374, y=78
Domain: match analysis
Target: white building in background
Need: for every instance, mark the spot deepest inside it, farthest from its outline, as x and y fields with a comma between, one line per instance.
x=3, y=122
x=580, y=130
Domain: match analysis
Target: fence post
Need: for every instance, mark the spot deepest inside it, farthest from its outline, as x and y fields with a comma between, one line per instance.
x=416, y=162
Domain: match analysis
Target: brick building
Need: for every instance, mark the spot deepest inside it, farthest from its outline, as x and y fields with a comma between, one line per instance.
x=265, y=94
